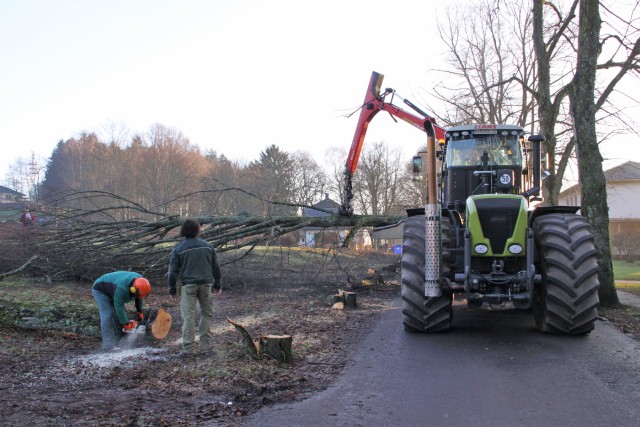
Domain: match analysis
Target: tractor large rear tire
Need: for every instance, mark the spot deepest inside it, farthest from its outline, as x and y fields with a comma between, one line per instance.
x=420, y=313
x=567, y=301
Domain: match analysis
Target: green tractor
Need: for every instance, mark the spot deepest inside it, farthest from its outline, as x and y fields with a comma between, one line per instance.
x=493, y=245
x=483, y=234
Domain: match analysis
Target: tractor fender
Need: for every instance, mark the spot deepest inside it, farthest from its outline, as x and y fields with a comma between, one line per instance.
x=545, y=210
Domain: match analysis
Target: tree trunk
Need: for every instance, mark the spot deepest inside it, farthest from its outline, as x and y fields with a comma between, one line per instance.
x=592, y=181
x=548, y=108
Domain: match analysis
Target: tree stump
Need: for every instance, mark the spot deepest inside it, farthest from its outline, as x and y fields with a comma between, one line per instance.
x=350, y=299
x=277, y=347
x=343, y=299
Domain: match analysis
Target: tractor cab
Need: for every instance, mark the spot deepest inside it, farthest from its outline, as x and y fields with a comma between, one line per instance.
x=481, y=159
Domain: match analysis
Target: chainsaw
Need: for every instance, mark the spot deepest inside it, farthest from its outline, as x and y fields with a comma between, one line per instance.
x=138, y=328
x=157, y=325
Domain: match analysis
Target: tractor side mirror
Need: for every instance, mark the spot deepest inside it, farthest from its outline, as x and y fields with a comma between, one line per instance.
x=417, y=165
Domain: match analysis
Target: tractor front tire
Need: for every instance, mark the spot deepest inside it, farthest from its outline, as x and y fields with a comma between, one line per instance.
x=567, y=300
x=420, y=313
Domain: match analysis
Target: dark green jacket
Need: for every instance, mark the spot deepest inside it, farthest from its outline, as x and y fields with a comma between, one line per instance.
x=117, y=286
x=194, y=261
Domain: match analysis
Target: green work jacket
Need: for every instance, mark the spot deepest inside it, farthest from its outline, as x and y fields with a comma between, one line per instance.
x=117, y=286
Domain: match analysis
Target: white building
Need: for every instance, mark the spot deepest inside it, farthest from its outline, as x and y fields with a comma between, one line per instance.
x=623, y=198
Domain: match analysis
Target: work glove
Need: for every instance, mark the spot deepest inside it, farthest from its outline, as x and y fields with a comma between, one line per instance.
x=140, y=316
x=131, y=325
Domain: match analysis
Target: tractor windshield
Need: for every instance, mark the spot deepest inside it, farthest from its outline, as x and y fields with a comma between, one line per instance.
x=477, y=150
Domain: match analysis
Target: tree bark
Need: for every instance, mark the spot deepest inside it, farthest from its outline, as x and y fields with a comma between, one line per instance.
x=548, y=108
x=592, y=180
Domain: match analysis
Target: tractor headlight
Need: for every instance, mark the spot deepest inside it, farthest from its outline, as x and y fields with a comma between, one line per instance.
x=481, y=249
x=515, y=249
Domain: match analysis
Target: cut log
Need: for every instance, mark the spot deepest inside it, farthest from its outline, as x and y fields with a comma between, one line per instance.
x=277, y=347
x=338, y=306
x=160, y=325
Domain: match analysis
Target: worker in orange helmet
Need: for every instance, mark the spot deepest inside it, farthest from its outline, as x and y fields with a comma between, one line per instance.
x=111, y=291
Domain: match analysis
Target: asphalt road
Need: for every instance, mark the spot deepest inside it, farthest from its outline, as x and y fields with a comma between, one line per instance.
x=493, y=369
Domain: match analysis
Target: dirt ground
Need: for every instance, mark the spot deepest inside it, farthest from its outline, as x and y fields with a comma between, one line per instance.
x=52, y=377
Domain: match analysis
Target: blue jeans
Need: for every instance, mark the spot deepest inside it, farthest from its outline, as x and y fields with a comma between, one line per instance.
x=107, y=319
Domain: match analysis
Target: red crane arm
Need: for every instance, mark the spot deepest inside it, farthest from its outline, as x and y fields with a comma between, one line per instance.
x=374, y=102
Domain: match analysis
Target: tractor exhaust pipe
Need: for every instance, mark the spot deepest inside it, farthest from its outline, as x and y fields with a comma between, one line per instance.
x=432, y=216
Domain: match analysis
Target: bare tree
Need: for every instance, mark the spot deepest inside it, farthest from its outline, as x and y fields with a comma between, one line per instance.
x=488, y=43
x=583, y=108
x=308, y=180
x=377, y=183
x=77, y=164
x=170, y=165
x=551, y=41
x=25, y=175
x=581, y=90
x=336, y=157
x=414, y=188
x=224, y=175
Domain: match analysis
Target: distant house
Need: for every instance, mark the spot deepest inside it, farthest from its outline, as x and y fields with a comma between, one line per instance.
x=8, y=195
x=623, y=198
x=325, y=204
x=318, y=236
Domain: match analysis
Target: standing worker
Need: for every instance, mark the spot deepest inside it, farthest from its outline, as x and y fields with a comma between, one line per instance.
x=194, y=261
x=111, y=292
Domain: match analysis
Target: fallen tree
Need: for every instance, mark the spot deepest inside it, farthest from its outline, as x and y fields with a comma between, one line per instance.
x=120, y=234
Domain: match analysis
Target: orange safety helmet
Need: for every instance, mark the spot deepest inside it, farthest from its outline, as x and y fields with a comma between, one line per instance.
x=141, y=287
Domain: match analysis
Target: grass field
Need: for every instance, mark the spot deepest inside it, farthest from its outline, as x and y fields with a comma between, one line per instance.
x=627, y=275
x=624, y=270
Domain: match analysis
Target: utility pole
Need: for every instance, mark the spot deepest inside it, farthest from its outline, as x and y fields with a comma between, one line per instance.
x=34, y=180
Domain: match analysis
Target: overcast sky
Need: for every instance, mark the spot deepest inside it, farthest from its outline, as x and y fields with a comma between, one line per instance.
x=233, y=76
